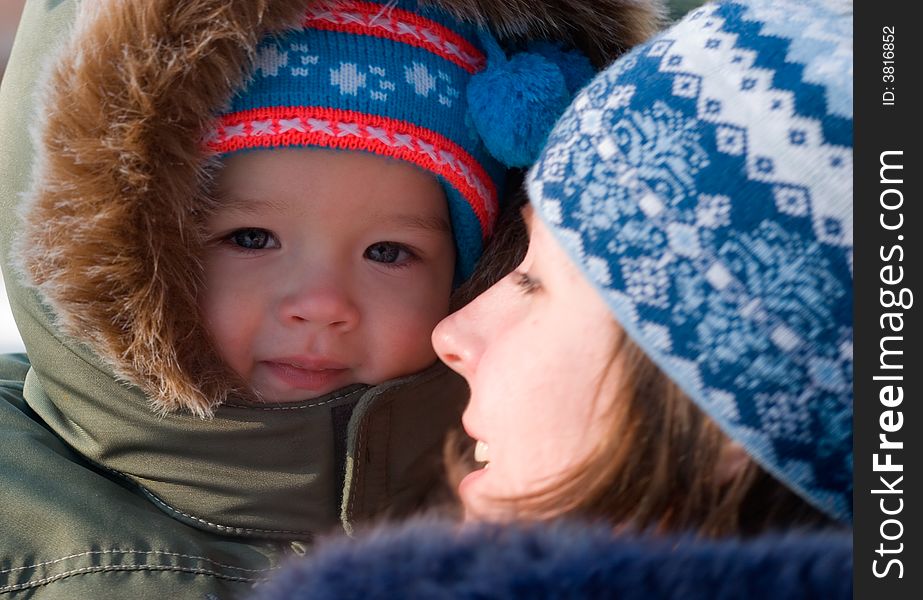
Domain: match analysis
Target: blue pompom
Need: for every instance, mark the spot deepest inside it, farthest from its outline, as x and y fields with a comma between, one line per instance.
x=514, y=104
x=574, y=64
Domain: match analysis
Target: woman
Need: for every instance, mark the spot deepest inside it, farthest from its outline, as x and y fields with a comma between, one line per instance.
x=682, y=248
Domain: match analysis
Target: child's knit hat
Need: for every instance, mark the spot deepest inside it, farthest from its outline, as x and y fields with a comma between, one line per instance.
x=703, y=183
x=410, y=82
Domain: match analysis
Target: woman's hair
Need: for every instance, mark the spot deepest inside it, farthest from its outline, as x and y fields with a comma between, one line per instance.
x=658, y=467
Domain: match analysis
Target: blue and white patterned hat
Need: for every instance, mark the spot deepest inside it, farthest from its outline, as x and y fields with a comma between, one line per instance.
x=703, y=183
x=391, y=77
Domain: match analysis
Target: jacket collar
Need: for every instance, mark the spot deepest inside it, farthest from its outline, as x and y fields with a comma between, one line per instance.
x=263, y=471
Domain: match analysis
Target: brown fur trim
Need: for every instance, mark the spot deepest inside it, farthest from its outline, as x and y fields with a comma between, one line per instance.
x=112, y=234
x=113, y=220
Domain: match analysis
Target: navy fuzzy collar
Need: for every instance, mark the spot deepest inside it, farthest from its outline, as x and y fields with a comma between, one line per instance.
x=427, y=559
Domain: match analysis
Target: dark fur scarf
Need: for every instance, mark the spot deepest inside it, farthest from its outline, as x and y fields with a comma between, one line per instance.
x=426, y=559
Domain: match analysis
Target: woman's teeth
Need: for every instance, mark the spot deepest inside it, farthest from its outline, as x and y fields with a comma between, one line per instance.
x=480, y=452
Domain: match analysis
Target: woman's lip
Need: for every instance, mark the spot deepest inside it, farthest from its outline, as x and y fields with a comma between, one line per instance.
x=468, y=482
x=312, y=377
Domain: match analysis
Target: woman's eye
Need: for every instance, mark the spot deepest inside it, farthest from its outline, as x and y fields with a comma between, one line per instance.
x=253, y=239
x=526, y=283
x=387, y=252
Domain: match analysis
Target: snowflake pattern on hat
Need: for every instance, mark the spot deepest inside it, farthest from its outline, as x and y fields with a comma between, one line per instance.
x=703, y=183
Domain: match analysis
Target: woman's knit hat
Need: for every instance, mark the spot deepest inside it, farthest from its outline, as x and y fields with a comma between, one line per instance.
x=410, y=82
x=703, y=183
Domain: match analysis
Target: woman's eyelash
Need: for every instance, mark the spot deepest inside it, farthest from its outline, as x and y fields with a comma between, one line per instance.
x=526, y=283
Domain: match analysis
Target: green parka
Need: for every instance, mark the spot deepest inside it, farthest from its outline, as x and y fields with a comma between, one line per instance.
x=129, y=467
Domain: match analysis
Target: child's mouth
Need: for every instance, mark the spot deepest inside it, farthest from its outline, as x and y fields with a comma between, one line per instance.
x=314, y=376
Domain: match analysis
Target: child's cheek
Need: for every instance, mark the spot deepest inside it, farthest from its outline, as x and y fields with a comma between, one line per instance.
x=230, y=307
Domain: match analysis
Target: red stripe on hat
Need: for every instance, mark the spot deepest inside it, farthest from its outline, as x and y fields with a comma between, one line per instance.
x=284, y=126
x=379, y=20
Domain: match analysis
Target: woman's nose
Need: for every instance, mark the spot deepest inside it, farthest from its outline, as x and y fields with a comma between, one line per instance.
x=321, y=300
x=457, y=342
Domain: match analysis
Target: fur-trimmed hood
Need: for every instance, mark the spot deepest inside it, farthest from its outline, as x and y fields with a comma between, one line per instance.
x=112, y=223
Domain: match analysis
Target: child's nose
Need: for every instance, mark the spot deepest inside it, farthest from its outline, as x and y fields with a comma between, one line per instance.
x=321, y=302
x=457, y=344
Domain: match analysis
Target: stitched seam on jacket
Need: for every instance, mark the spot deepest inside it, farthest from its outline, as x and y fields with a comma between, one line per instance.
x=154, y=498
x=155, y=552
x=299, y=407
x=357, y=468
x=110, y=568
x=231, y=528
x=388, y=447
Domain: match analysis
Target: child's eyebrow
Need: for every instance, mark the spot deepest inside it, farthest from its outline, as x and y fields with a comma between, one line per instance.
x=249, y=205
x=428, y=223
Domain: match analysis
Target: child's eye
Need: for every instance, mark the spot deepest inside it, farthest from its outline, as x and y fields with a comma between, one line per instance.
x=252, y=238
x=526, y=283
x=388, y=253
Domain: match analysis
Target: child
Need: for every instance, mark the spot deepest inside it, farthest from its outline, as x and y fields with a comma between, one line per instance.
x=686, y=299
x=287, y=291
x=354, y=189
